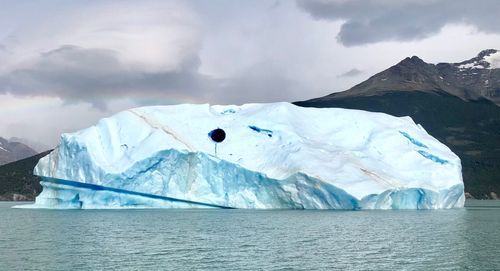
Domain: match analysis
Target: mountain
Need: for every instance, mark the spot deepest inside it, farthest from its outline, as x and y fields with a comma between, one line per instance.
x=455, y=102
x=471, y=80
x=11, y=151
x=35, y=145
x=17, y=181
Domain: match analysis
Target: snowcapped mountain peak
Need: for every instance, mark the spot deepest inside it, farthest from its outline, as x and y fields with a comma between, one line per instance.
x=11, y=151
x=474, y=79
x=493, y=59
x=2, y=148
x=486, y=59
x=487, y=52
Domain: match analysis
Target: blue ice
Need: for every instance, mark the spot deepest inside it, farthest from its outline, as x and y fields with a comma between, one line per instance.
x=432, y=157
x=269, y=133
x=413, y=140
x=228, y=111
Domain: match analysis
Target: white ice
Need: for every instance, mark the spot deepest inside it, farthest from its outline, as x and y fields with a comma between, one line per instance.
x=274, y=156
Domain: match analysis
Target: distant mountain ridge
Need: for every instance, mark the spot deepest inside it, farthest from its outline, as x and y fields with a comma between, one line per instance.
x=458, y=103
x=35, y=145
x=474, y=79
x=11, y=151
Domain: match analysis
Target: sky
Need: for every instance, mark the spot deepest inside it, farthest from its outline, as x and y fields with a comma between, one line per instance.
x=66, y=64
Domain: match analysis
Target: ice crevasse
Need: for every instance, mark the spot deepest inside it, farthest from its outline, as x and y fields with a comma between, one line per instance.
x=274, y=155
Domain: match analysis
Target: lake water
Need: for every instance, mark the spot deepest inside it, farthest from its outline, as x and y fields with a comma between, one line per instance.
x=465, y=239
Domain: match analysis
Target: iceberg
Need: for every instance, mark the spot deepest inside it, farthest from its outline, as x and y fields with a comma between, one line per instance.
x=258, y=156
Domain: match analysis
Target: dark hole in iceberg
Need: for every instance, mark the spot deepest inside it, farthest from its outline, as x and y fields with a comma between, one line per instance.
x=218, y=135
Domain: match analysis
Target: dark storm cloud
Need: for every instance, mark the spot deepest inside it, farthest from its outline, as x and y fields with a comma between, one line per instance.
x=78, y=74
x=350, y=73
x=374, y=21
x=97, y=76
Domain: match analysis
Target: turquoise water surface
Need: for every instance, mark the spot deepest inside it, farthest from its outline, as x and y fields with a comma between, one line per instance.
x=205, y=239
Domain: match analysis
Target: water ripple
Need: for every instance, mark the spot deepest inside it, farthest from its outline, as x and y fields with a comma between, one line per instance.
x=249, y=240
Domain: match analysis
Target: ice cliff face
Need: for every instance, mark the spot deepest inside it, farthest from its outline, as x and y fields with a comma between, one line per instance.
x=274, y=156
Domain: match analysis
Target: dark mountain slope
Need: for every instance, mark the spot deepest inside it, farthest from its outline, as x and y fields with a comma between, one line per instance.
x=474, y=79
x=12, y=151
x=17, y=181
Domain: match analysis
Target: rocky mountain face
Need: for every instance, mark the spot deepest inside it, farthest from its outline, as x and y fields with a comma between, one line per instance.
x=17, y=181
x=12, y=151
x=458, y=103
x=473, y=79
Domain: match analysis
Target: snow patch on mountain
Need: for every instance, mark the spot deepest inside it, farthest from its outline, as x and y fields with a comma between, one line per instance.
x=493, y=60
x=487, y=59
x=473, y=65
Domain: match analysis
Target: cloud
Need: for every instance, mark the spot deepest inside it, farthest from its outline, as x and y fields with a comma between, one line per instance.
x=75, y=74
x=193, y=51
x=372, y=21
x=153, y=53
x=351, y=73
x=151, y=35
x=94, y=75
x=106, y=50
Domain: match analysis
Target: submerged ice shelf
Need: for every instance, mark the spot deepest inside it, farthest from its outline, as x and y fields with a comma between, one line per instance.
x=273, y=156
